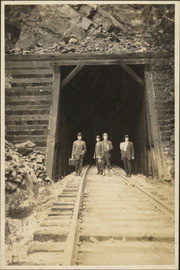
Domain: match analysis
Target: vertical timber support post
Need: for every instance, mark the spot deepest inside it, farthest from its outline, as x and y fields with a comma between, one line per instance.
x=156, y=149
x=53, y=126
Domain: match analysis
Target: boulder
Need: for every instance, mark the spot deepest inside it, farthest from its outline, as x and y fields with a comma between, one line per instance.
x=13, y=173
x=73, y=30
x=39, y=180
x=22, y=171
x=47, y=179
x=8, y=157
x=32, y=177
x=27, y=38
x=18, y=179
x=24, y=151
x=27, y=144
x=25, y=148
x=13, y=225
x=87, y=10
x=10, y=187
x=39, y=158
x=73, y=40
x=85, y=23
x=33, y=157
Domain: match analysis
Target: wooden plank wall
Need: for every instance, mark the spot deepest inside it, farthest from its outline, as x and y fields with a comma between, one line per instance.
x=28, y=98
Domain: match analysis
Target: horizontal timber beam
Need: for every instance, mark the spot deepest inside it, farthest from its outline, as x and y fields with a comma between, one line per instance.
x=89, y=56
x=90, y=62
x=70, y=76
x=133, y=74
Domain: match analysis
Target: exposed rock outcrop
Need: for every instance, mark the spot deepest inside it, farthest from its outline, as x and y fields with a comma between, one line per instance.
x=89, y=28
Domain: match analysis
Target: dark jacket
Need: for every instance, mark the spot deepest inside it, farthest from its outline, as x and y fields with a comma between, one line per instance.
x=78, y=149
x=129, y=153
x=106, y=148
x=98, y=150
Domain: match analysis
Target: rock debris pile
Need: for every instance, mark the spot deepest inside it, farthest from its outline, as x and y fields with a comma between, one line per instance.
x=24, y=167
x=25, y=178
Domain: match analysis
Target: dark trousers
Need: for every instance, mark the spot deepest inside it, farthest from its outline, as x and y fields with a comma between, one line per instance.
x=106, y=161
x=127, y=165
x=99, y=165
x=78, y=165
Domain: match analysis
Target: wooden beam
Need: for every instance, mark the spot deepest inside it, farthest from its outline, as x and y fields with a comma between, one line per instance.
x=70, y=76
x=89, y=56
x=103, y=61
x=78, y=60
x=156, y=147
x=53, y=123
x=133, y=74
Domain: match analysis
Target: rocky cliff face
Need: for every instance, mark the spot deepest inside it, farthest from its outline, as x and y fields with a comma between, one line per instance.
x=89, y=28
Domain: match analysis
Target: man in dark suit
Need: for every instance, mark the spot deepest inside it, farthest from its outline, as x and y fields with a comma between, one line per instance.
x=78, y=152
x=98, y=155
x=127, y=155
x=107, y=147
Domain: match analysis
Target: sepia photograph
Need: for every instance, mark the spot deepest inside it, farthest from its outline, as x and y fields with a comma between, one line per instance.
x=89, y=134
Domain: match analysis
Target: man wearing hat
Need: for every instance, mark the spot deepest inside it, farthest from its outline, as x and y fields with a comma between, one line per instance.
x=127, y=155
x=107, y=147
x=78, y=152
x=98, y=155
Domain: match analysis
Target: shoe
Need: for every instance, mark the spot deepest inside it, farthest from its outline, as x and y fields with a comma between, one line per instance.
x=76, y=174
x=126, y=175
x=98, y=173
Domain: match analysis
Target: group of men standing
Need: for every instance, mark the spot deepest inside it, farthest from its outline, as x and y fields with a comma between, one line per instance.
x=102, y=154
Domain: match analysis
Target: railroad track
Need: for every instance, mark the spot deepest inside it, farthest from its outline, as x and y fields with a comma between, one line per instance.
x=105, y=221
x=159, y=204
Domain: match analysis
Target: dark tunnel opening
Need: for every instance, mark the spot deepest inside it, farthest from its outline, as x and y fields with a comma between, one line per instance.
x=102, y=99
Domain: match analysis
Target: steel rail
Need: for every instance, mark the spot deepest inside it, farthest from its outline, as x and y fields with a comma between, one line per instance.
x=159, y=204
x=72, y=238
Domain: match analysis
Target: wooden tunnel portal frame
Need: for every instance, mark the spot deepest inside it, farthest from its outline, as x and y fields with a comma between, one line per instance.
x=119, y=59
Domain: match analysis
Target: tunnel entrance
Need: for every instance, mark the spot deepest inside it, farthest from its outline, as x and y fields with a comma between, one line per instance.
x=102, y=98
